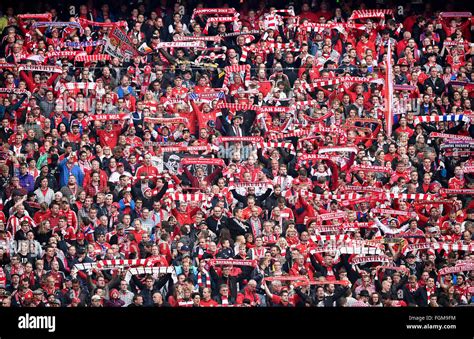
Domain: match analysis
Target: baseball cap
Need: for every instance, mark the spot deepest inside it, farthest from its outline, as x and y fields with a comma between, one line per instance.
x=96, y=298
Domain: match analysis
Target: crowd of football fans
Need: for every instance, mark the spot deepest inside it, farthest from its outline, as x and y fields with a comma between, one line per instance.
x=236, y=163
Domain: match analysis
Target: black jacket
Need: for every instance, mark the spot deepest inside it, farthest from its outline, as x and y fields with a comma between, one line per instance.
x=328, y=301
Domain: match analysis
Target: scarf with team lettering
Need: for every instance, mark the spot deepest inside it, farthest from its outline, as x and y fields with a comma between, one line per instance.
x=213, y=11
x=365, y=189
x=333, y=149
x=74, y=86
x=209, y=21
x=187, y=148
x=235, y=262
x=202, y=161
x=13, y=91
x=462, y=191
x=177, y=120
x=68, y=24
x=391, y=212
x=455, y=14
x=449, y=136
x=240, y=139
x=371, y=168
x=105, y=117
x=40, y=68
x=62, y=54
x=180, y=44
x=75, y=44
x=456, y=269
x=370, y=258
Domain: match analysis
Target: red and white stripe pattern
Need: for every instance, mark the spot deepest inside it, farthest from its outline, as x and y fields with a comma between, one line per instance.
x=334, y=149
x=350, y=196
x=72, y=86
x=189, y=197
x=321, y=83
x=448, y=247
x=370, y=13
x=418, y=196
x=151, y=270
x=114, y=263
x=297, y=133
x=236, y=69
x=286, y=145
x=91, y=58
x=330, y=237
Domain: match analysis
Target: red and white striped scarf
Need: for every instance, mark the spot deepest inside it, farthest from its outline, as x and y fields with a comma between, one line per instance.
x=189, y=197
x=370, y=13
x=85, y=22
x=236, y=69
x=73, y=86
x=270, y=144
x=418, y=196
x=331, y=149
x=91, y=58
x=332, y=237
x=314, y=85
x=207, y=279
x=39, y=16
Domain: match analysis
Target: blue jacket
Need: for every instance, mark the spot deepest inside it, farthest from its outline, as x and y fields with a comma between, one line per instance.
x=64, y=173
